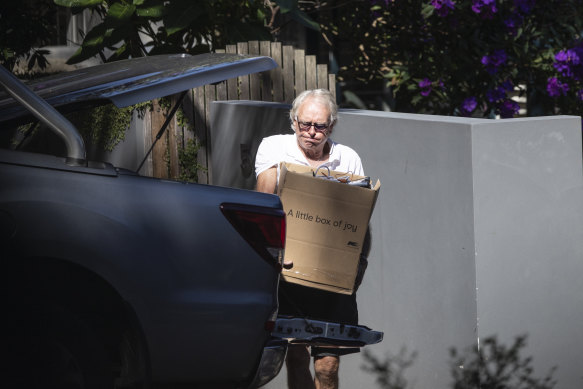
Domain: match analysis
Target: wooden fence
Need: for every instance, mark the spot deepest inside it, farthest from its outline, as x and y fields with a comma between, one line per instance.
x=295, y=73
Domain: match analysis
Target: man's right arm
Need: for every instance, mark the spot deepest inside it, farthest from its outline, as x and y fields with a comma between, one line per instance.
x=267, y=180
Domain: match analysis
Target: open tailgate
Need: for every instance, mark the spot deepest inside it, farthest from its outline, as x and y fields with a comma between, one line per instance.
x=322, y=333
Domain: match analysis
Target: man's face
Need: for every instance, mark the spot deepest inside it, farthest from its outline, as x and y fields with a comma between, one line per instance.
x=311, y=138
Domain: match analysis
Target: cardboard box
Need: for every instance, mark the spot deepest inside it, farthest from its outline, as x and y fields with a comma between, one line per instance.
x=326, y=225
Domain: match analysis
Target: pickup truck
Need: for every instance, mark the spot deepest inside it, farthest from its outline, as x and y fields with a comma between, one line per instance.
x=112, y=279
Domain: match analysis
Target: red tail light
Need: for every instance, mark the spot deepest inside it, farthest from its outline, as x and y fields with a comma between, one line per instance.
x=263, y=228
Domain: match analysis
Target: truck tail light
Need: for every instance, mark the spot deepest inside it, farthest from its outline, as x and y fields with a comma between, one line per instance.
x=263, y=228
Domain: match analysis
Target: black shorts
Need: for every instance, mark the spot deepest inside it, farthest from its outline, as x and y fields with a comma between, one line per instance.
x=302, y=301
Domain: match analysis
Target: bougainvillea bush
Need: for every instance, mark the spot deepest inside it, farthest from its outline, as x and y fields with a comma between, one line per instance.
x=468, y=57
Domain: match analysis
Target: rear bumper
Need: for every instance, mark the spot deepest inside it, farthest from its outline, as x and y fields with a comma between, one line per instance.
x=322, y=333
x=271, y=362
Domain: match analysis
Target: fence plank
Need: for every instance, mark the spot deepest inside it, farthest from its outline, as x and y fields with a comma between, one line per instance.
x=188, y=110
x=266, y=95
x=222, y=91
x=299, y=71
x=159, y=165
x=276, y=75
x=322, y=71
x=255, y=78
x=200, y=132
x=332, y=84
x=232, y=83
x=244, y=93
x=311, y=72
x=287, y=70
x=174, y=140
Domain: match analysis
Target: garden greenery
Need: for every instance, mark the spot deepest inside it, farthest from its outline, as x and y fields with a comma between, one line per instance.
x=491, y=365
x=106, y=125
x=136, y=28
x=469, y=57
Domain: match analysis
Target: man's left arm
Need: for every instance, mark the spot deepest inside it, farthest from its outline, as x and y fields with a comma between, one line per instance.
x=267, y=180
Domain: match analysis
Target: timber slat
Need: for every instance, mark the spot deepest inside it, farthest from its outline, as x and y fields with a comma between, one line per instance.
x=299, y=71
x=276, y=74
x=295, y=73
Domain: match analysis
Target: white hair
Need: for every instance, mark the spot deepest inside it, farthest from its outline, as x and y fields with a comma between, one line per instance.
x=323, y=96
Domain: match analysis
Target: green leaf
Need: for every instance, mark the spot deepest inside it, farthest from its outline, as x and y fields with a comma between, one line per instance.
x=95, y=37
x=121, y=12
x=154, y=11
x=427, y=10
x=286, y=6
x=115, y=35
x=78, y=3
x=82, y=54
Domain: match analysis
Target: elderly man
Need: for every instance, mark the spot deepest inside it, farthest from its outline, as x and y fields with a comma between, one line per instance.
x=313, y=116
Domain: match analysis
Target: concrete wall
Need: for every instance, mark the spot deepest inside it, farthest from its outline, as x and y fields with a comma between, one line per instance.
x=478, y=231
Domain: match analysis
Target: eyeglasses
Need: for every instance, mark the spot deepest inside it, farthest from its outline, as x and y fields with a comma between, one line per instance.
x=319, y=127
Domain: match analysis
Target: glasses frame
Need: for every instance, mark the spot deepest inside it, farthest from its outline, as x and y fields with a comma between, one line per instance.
x=322, y=128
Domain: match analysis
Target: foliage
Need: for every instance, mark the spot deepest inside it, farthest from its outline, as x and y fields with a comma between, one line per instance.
x=489, y=365
x=463, y=57
x=390, y=372
x=105, y=126
x=25, y=24
x=189, y=166
x=493, y=365
x=187, y=152
x=135, y=28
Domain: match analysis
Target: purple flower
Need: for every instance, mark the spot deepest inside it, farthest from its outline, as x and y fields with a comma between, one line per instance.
x=496, y=94
x=580, y=94
x=507, y=85
x=508, y=109
x=499, y=93
x=425, y=86
x=442, y=7
x=524, y=6
x=485, y=8
x=493, y=61
x=468, y=106
x=556, y=88
x=568, y=63
x=513, y=23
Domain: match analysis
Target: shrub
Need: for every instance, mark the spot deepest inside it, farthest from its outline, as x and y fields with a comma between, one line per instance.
x=467, y=57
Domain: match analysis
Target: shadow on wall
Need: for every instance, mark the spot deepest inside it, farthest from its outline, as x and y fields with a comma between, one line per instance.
x=490, y=365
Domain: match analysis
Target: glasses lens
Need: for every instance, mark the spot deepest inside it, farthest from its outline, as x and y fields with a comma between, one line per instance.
x=305, y=126
x=319, y=127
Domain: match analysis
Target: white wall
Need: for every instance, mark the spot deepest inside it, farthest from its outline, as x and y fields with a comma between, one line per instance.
x=478, y=231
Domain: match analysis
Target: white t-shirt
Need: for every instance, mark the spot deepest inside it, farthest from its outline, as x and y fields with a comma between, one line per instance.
x=284, y=148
